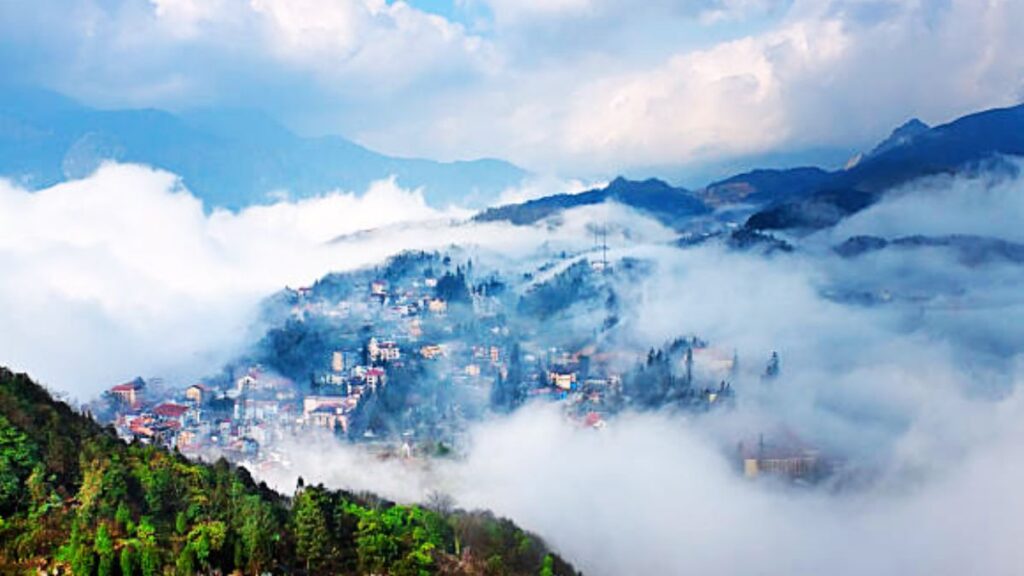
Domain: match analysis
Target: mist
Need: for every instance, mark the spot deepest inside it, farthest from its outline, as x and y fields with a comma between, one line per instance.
x=915, y=388
x=124, y=274
x=914, y=385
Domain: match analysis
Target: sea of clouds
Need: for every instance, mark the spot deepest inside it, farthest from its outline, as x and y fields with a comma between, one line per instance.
x=124, y=273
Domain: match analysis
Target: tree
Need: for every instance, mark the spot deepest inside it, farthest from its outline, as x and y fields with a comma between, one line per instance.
x=149, y=557
x=548, y=568
x=205, y=540
x=123, y=517
x=310, y=524
x=772, y=370
x=79, y=553
x=104, y=547
x=258, y=533
x=17, y=456
x=128, y=560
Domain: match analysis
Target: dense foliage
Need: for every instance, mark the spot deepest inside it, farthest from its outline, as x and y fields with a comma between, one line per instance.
x=74, y=496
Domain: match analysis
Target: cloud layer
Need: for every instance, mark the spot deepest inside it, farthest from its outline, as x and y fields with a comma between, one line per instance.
x=122, y=273
x=575, y=87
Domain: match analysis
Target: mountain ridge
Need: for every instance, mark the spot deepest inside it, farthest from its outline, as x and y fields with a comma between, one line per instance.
x=229, y=158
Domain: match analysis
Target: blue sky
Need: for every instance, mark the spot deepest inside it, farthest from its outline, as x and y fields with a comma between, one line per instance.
x=567, y=87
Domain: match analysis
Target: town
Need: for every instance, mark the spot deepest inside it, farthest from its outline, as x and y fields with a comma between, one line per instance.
x=401, y=359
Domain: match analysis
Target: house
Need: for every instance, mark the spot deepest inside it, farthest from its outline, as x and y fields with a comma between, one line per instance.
x=387, y=351
x=415, y=329
x=378, y=288
x=329, y=418
x=437, y=306
x=186, y=439
x=338, y=361
x=198, y=393
x=562, y=380
x=375, y=377
x=129, y=393
x=171, y=412
x=788, y=458
x=432, y=351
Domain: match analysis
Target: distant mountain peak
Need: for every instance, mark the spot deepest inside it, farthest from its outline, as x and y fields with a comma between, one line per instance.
x=901, y=136
x=623, y=184
x=229, y=158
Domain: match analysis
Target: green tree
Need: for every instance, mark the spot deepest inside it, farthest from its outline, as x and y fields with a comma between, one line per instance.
x=312, y=539
x=79, y=553
x=17, y=457
x=149, y=555
x=104, y=547
x=258, y=533
x=205, y=540
x=548, y=568
x=123, y=517
x=129, y=560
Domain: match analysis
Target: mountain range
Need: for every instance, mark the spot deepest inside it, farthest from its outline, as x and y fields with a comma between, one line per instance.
x=228, y=158
x=807, y=198
x=236, y=158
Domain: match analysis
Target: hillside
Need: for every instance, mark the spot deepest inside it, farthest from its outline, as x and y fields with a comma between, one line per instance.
x=228, y=158
x=668, y=204
x=74, y=496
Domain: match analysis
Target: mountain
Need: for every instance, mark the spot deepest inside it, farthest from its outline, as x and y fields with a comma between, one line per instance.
x=912, y=152
x=762, y=187
x=969, y=250
x=669, y=205
x=900, y=136
x=75, y=497
x=228, y=158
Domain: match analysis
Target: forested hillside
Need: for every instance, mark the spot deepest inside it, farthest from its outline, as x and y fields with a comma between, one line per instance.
x=74, y=498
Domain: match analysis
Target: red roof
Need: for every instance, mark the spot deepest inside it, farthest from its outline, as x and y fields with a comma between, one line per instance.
x=375, y=372
x=127, y=387
x=168, y=410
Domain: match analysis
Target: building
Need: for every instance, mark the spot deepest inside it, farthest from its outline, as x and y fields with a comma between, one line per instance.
x=432, y=351
x=338, y=361
x=375, y=377
x=198, y=393
x=788, y=459
x=170, y=411
x=437, y=306
x=387, y=351
x=562, y=380
x=129, y=393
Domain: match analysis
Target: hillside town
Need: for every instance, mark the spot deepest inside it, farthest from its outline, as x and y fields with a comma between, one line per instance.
x=401, y=360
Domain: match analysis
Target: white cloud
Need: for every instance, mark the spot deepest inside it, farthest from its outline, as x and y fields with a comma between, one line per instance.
x=541, y=186
x=574, y=87
x=122, y=273
x=658, y=495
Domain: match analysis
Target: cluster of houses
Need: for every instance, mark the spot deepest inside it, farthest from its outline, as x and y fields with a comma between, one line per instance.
x=383, y=326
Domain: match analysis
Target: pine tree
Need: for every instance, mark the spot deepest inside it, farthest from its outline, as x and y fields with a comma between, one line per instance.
x=104, y=547
x=310, y=523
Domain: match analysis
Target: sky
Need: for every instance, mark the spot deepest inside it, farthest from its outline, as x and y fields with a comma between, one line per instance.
x=570, y=88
